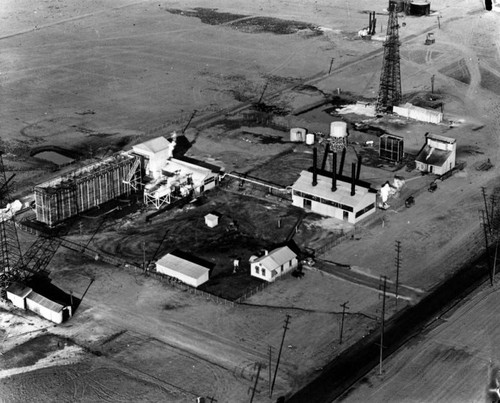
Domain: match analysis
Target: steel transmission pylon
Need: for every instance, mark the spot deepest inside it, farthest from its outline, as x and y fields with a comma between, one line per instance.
x=389, y=94
x=10, y=251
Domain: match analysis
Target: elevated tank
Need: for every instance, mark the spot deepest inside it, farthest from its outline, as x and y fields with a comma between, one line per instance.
x=338, y=129
x=298, y=134
x=420, y=8
x=399, y=5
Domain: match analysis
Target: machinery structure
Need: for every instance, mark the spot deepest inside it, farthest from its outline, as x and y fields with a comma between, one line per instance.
x=10, y=250
x=390, y=80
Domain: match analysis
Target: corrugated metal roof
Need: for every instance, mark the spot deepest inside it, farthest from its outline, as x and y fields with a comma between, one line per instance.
x=432, y=156
x=444, y=139
x=45, y=302
x=19, y=289
x=153, y=146
x=183, y=266
x=342, y=195
x=276, y=257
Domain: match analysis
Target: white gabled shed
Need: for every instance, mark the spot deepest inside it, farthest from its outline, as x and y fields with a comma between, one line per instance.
x=188, y=272
x=274, y=264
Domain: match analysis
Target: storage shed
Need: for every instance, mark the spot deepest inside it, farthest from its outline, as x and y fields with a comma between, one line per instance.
x=273, y=264
x=178, y=267
x=211, y=220
x=438, y=155
x=45, y=307
x=16, y=293
x=416, y=112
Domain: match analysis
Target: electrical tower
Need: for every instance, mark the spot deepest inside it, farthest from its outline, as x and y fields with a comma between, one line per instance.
x=389, y=94
x=10, y=252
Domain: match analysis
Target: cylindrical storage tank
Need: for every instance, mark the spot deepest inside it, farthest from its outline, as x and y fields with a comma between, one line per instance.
x=310, y=139
x=420, y=8
x=398, y=4
x=338, y=129
x=298, y=134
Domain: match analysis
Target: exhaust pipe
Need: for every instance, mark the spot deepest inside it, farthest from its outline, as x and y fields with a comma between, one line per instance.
x=315, y=173
x=342, y=160
x=353, y=179
x=334, y=174
x=359, y=167
x=325, y=157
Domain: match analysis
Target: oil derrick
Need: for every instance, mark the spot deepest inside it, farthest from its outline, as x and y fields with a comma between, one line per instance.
x=389, y=94
x=10, y=252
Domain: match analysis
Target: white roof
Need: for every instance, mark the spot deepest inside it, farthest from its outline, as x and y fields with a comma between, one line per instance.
x=45, y=302
x=342, y=195
x=440, y=138
x=276, y=257
x=419, y=108
x=199, y=173
x=19, y=289
x=183, y=266
x=152, y=146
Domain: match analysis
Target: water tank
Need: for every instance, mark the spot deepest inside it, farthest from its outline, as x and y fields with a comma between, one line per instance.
x=338, y=129
x=398, y=4
x=297, y=134
x=310, y=139
x=420, y=8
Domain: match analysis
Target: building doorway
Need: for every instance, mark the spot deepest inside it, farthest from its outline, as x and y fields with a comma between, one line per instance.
x=307, y=204
x=345, y=216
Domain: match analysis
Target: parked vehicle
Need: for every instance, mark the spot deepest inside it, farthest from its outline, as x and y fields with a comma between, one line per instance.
x=432, y=187
x=410, y=201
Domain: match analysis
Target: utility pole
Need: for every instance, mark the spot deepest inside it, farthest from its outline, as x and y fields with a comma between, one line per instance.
x=344, y=307
x=285, y=328
x=439, y=21
x=270, y=358
x=189, y=121
x=331, y=64
x=262, y=93
x=483, y=191
x=484, y=216
x=398, y=266
x=144, y=255
x=258, y=365
x=432, y=83
x=384, y=287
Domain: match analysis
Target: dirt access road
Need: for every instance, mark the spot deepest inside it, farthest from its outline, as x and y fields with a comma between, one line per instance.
x=142, y=70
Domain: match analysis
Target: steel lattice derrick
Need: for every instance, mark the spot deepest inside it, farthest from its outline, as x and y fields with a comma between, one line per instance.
x=390, y=80
x=10, y=251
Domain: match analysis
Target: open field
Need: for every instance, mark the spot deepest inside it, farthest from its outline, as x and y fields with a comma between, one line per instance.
x=96, y=77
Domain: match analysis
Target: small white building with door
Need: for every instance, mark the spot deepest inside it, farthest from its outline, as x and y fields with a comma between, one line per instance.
x=182, y=269
x=273, y=264
x=438, y=155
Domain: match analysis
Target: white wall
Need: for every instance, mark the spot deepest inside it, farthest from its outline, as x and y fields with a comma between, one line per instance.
x=193, y=282
x=56, y=317
x=256, y=269
x=16, y=300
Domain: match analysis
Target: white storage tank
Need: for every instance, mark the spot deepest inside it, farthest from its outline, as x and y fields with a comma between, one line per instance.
x=338, y=129
x=298, y=134
x=310, y=137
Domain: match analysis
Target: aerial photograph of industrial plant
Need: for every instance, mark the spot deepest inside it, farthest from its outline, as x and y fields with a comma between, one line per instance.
x=267, y=201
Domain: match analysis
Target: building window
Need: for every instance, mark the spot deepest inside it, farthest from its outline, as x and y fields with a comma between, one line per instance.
x=256, y=270
x=263, y=272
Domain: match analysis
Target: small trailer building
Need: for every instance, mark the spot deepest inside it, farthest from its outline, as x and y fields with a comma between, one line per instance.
x=438, y=155
x=273, y=264
x=25, y=298
x=417, y=113
x=188, y=272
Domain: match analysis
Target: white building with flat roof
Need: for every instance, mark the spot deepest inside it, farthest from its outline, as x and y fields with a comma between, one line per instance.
x=341, y=203
x=188, y=272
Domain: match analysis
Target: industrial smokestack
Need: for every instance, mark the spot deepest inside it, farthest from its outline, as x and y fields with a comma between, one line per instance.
x=342, y=160
x=315, y=173
x=325, y=157
x=353, y=179
x=334, y=174
x=359, y=167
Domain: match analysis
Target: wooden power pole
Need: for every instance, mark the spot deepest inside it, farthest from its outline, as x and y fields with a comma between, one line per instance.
x=398, y=266
x=344, y=307
x=285, y=328
x=384, y=289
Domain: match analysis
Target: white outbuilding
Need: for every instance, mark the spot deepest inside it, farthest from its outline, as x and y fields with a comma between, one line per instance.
x=155, y=153
x=188, y=272
x=438, y=155
x=273, y=264
x=211, y=220
x=16, y=293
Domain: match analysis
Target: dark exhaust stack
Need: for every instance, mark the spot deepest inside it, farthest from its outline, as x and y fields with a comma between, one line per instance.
x=353, y=179
x=334, y=174
x=359, y=167
x=342, y=160
x=325, y=157
x=315, y=173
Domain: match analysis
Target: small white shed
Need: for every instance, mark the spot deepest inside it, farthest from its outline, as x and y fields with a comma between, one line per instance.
x=16, y=293
x=273, y=264
x=212, y=220
x=182, y=269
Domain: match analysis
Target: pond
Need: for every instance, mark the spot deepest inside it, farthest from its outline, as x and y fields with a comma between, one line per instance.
x=54, y=157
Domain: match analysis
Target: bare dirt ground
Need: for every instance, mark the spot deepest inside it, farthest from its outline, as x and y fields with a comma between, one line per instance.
x=94, y=78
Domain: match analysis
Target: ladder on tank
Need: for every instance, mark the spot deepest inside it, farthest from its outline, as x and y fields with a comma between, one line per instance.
x=131, y=179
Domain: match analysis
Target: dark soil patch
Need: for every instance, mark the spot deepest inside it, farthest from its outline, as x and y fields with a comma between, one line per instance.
x=490, y=81
x=32, y=351
x=208, y=16
x=457, y=70
x=425, y=99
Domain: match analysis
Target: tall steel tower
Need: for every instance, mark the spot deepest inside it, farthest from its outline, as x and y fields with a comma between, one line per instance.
x=10, y=251
x=389, y=93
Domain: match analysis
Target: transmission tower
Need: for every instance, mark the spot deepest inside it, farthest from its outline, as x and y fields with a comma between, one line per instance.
x=10, y=252
x=389, y=94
